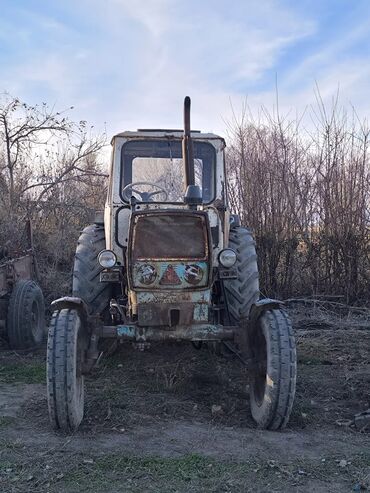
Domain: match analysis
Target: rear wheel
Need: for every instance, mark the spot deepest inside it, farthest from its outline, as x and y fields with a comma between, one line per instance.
x=273, y=376
x=241, y=293
x=65, y=381
x=26, y=316
x=86, y=271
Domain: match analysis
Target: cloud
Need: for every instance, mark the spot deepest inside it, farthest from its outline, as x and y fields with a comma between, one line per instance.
x=155, y=15
x=205, y=52
x=338, y=64
x=130, y=63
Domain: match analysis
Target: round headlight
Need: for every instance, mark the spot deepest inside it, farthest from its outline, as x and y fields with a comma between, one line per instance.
x=107, y=259
x=227, y=257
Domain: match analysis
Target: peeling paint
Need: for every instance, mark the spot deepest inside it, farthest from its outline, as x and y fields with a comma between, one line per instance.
x=166, y=296
x=200, y=312
x=160, y=269
x=204, y=332
x=269, y=381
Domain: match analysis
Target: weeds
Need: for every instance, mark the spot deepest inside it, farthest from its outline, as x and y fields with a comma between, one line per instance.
x=27, y=372
x=6, y=421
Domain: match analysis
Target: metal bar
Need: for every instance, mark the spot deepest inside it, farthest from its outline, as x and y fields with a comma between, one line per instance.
x=199, y=332
x=187, y=146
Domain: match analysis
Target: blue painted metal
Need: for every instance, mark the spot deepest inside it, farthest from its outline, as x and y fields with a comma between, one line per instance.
x=166, y=296
x=200, y=312
x=193, y=306
x=196, y=332
x=126, y=331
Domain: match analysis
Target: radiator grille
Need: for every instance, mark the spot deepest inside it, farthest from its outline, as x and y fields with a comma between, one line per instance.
x=169, y=236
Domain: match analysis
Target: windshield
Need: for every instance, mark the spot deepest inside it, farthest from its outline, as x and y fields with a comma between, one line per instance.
x=160, y=162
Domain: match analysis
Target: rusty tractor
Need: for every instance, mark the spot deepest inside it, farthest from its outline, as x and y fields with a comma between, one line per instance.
x=22, y=306
x=167, y=261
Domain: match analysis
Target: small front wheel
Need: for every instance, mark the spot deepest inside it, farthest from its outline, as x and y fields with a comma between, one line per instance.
x=273, y=376
x=65, y=381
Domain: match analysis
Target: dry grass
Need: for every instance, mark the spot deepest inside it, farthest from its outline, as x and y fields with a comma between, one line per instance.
x=175, y=385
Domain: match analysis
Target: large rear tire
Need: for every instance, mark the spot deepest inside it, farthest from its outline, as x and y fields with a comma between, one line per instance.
x=26, y=326
x=273, y=377
x=86, y=271
x=242, y=292
x=65, y=381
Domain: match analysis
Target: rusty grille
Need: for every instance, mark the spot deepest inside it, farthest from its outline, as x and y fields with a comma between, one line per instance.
x=169, y=237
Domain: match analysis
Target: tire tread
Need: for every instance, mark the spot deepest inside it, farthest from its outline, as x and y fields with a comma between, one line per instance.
x=86, y=284
x=283, y=372
x=24, y=294
x=243, y=292
x=61, y=370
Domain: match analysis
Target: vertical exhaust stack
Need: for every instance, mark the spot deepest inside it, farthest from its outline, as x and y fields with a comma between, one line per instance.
x=193, y=195
x=187, y=146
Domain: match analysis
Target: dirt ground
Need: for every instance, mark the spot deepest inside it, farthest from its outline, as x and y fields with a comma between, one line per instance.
x=149, y=425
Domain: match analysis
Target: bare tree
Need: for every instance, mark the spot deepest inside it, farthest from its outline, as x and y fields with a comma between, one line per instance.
x=306, y=195
x=40, y=148
x=50, y=170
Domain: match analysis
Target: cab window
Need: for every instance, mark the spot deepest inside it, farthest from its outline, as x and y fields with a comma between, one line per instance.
x=160, y=162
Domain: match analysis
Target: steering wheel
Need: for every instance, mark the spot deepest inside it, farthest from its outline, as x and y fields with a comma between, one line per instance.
x=145, y=196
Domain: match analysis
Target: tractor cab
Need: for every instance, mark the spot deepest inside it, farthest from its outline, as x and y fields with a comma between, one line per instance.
x=149, y=172
x=155, y=158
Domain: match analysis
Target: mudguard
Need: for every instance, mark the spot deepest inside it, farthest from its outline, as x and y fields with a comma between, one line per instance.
x=262, y=306
x=71, y=302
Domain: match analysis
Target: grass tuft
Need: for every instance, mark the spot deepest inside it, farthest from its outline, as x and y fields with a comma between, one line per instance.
x=23, y=372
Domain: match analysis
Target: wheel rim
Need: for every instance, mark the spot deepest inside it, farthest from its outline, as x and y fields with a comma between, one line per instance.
x=259, y=366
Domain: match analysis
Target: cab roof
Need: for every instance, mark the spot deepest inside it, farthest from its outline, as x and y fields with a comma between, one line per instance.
x=144, y=133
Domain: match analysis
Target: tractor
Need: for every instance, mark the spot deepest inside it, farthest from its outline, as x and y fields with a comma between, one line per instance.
x=167, y=261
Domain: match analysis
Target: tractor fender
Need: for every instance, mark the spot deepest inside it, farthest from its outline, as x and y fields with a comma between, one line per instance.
x=262, y=306
x=72, y=302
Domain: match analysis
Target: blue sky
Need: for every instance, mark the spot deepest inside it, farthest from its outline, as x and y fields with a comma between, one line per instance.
x=129, y=63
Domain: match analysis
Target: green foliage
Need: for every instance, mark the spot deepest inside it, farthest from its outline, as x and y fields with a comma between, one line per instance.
x=24, y=372
x=6, y=421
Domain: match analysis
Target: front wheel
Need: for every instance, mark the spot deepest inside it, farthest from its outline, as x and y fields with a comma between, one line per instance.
x=273, y=376
x=65, y=381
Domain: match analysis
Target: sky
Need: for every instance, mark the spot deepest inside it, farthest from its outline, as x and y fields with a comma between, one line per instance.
x=127, y=64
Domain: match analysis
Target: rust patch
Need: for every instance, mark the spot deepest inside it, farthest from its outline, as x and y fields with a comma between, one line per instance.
x=13, y=270
x=173, y=296
x=169, y=235
x=156, y=308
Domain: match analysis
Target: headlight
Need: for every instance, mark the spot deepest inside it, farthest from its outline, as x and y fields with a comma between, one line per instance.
x=147, y=274
x=193, y=274
x=107, y=259
x=227, y=257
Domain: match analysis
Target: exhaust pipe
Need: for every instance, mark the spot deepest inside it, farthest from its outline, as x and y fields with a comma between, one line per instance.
x=193, y=194
x=187, y=146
